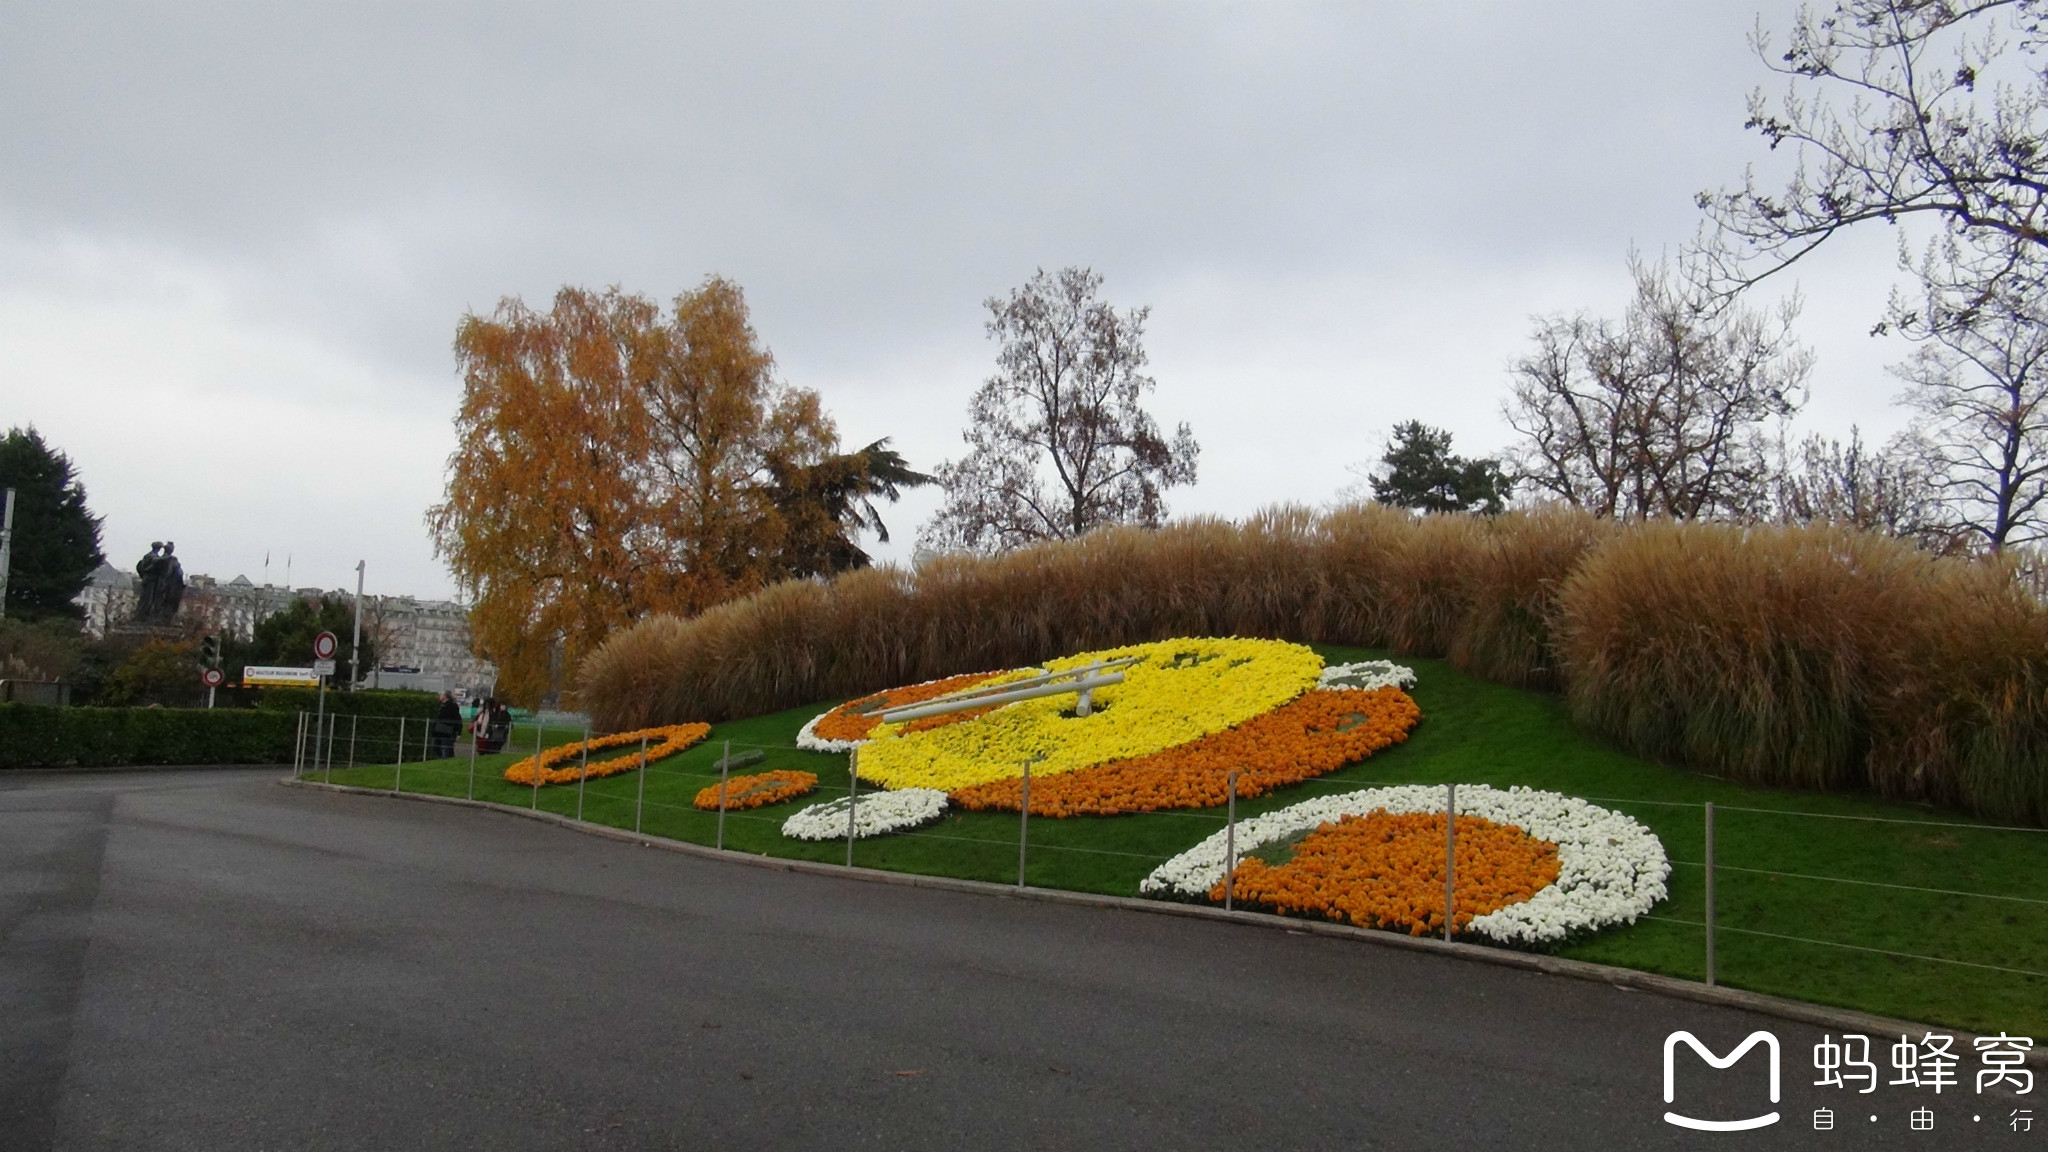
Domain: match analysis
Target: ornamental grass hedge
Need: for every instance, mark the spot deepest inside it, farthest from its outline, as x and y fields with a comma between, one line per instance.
x=38, y=736
x=1812, y=657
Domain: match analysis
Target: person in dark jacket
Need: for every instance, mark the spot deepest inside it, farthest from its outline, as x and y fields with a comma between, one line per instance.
x=445, y=726
x=500, y=731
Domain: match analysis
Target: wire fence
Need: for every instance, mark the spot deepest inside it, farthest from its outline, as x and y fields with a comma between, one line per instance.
x=1792, y=901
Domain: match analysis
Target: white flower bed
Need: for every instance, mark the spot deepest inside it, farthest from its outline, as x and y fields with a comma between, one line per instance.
x=1367, y=675
x=807, y=737
x=874, y=814
x=1611, y=869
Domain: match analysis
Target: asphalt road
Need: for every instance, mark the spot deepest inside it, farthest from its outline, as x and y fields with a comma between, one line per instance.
x=207, y=960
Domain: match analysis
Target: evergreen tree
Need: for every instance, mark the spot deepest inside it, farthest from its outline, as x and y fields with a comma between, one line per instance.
x=56, y=541
x=1421, y=473
x=286, y=638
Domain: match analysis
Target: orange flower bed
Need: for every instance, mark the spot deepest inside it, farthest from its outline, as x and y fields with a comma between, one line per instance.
x=758, y=790
x=846, y=722
x=1315, y=733
x=663, y=741
x=1385, y=871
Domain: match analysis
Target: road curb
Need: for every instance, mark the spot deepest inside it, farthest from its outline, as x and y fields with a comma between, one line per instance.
x=78, y=769
x=1800, y=1011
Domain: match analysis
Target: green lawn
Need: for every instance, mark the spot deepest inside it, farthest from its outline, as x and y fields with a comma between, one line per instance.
x=1475, y=732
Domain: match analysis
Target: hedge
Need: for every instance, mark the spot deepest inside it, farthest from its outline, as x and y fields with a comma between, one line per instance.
x=371, y=702
x=39, y=736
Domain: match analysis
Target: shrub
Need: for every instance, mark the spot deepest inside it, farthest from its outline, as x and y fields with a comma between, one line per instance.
x=35, y=736
x=1363, y=574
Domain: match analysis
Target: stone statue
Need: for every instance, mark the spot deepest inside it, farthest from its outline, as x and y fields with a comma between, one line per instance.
x=159, y=584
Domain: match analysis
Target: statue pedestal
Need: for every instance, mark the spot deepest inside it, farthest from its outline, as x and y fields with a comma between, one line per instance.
x=138, y=633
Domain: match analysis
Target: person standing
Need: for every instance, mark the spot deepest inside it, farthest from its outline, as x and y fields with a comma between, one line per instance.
x=447, y=724
x=480, y=725
x=500, y=727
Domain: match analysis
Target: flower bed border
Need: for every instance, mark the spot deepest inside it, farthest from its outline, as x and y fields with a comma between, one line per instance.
x=1586, y=897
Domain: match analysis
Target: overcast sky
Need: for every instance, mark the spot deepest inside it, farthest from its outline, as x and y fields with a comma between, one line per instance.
x=235, y=240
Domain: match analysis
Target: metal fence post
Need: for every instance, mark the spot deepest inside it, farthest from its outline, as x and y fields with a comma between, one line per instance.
x=1450, y=859
x=724, y=772
x=327, y=761
x=538, y=728
x=852, y=800
x=1230, y=848
x=1023, y=823
x=1710, y=893
x=354, y=722
x=583, y=771
x=299, y=747
x=640, y=801
x=401, y=742
x=398, y=769
x=472, y=763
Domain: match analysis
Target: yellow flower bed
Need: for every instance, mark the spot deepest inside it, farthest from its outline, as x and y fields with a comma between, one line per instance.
x=1181, y=690
x=664, y=741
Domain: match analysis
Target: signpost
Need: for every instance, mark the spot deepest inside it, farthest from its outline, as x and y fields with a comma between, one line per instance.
x=355, y=636
x=6, y=546
x=209, y=663
x=323, y=666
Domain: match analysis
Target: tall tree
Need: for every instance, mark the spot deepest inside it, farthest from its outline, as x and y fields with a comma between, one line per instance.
x=1661, y=414
x=1944, y=121
x=56, y=541
x=1980, y=385
x=1059, y=441
x=287, y=638
x=1418, y=471
x=825, y=506
x=615, y=461
x=1937, y=111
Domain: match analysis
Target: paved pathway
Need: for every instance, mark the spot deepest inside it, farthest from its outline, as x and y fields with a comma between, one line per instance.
x=206, y=960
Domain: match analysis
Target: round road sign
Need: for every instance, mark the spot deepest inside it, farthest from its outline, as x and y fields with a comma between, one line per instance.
x=212, y=678
x=324, y=645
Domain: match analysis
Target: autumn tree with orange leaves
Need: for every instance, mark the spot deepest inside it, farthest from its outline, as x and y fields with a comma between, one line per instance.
x=616, y=461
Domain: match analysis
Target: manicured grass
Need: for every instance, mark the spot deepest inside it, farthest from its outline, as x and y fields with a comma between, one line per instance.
x=1476, y=732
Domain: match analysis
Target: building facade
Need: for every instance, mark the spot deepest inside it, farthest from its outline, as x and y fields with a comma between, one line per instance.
x=109, y=598
x=422, y=644
x=425, y=644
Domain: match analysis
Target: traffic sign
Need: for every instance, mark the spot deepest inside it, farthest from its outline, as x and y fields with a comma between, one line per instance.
x=212, y=677
x=324, y=646
x=323, y=667
x=268, y=676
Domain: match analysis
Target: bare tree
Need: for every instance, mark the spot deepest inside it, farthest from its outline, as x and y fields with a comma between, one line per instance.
x=1661, y=414
x=1058, y=440
x=1884, y=489
x=1980, y=384
x=1943, y=121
